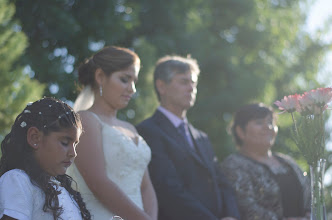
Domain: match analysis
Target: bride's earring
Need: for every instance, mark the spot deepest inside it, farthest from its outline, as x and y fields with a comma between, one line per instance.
x=100, y=90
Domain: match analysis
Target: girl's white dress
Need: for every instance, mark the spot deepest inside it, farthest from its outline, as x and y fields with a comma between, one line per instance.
x=22, y=200
x=125, y=164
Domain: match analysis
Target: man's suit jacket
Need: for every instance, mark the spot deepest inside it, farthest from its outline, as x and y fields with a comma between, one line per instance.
x=188, y=184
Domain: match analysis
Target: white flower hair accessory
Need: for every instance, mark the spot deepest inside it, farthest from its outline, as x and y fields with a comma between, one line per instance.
x=27, y=111
x=30, y=103
x=23, y=124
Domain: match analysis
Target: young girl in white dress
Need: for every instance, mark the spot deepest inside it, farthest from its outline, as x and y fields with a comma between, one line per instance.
x=111, y=166
x=35, y=156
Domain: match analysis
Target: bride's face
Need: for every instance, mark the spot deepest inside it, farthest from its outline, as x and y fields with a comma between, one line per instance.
x=119, y=87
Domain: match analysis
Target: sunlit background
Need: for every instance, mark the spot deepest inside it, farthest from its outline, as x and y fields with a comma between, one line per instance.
x=248, y=51
x=318, y=15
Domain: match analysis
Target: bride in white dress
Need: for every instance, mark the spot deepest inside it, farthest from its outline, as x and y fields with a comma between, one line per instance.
x=111, y=164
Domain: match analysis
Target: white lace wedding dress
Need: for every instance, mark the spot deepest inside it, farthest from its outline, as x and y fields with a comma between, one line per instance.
x=126, y=163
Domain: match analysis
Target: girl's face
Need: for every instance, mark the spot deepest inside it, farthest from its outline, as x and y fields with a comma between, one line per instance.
x=56, y=151
x=119, y=87
x=259, y=132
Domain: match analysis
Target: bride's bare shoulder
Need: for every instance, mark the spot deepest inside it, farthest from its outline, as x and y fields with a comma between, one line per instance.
x=87, y=117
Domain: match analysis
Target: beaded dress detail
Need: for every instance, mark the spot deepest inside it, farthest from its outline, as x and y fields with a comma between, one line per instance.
x=125, y=162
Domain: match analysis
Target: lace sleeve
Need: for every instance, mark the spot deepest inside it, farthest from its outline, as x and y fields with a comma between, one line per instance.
x=255, y=195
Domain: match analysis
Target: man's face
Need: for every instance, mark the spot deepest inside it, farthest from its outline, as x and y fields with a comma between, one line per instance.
x=181, y=92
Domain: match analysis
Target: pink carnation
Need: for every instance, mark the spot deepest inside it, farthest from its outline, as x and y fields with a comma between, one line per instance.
x=306, y=100
x=315, y=101
x=321, y=96
x=289, y=103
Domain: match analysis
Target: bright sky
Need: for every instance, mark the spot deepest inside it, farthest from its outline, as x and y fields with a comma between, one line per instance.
x=318, y=14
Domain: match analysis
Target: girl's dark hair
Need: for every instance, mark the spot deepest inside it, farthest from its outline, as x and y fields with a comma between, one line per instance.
x=247, y=113
x=109, y=59
x=48, y=115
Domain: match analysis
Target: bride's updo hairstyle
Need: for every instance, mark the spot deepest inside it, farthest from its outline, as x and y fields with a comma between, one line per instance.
x=48, y=115
x=109, y=59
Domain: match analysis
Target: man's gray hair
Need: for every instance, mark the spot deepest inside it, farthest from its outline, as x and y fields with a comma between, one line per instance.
x=168, y=66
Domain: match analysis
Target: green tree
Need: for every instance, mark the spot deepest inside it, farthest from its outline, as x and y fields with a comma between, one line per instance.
x=63, y=33
x=253, y=50
x=247, y=50
x=16, y=87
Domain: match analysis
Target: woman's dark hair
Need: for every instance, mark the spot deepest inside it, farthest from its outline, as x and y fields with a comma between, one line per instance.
x=247, y=113
x=109, y=59
x=48, y=115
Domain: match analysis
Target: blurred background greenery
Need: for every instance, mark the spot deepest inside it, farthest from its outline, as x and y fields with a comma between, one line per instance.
x=253, y=50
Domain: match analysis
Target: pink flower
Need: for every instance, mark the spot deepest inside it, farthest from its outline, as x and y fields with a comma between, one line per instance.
x=321, y=96
x=288, y=103
x=306, y=100
x=307, y=104
x=315, y=101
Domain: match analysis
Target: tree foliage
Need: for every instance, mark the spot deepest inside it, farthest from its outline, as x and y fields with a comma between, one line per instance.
x=63, y=33
x=247, y=50
x=16, y=87
x=253, y=50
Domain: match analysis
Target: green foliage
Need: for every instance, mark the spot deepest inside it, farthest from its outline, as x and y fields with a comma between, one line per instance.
x=63, y=33
x=16, y=87
x=247, y=50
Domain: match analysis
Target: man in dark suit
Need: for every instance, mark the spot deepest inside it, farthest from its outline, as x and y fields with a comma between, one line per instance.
x=183, y=168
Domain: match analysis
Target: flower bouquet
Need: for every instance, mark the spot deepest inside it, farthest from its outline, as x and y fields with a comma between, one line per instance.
x=309, y=135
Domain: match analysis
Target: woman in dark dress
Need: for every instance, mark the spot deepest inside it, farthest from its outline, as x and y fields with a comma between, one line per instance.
x=268, y=185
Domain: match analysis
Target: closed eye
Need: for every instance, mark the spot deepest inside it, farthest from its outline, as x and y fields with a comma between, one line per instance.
x=124, y=79
x=64, y=143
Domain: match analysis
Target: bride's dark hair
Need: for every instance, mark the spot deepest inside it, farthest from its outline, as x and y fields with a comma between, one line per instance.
x=110, y=59
x=48, y=115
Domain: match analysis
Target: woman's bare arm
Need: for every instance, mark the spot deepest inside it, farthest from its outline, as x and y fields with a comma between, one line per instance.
x=91, y=164
x=149, y=197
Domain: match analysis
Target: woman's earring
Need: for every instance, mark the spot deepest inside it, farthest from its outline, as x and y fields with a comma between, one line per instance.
x=100, y=90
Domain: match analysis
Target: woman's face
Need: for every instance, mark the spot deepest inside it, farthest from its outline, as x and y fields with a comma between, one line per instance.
x=56, y=151
x=119, y=87
x=259, y=132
